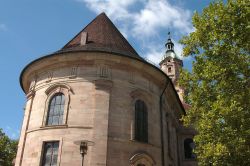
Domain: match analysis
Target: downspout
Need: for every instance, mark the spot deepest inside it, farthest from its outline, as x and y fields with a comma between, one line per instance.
x=161, y=116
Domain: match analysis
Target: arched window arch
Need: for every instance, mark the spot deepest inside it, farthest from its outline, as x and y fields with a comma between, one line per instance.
x=142, y=159
x=188, y=148
x=141, y=121
x=56, y=109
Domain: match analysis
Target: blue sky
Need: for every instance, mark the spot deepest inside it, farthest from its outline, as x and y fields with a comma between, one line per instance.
x=30, y=29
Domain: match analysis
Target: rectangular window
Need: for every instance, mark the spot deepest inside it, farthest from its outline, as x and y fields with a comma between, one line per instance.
x=50, y=153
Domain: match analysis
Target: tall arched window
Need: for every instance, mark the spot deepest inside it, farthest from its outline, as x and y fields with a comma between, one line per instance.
x=141, y=121
x=56, y=110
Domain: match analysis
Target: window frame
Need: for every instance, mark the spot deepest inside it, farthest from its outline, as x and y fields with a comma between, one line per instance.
x=50, y=93
x=188, y=151
x=54, y=105
x=42, y=158
x=140, y=94
x=141, y=116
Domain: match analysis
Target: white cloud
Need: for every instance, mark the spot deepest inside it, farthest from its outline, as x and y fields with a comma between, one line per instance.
x=154, y=56
x=145, y=20
x=117, y=9
x=3, y=27
x=160, y=14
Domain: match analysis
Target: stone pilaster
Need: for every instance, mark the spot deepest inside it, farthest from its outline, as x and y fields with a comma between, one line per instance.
x=25, y=125
x=100, y=130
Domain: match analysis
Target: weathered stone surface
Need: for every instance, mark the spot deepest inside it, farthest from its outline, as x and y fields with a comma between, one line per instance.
x=98, y=109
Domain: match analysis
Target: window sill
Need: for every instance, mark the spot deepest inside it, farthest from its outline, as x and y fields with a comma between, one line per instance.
x=54, y=126
x=65, y=126
x=139, y=142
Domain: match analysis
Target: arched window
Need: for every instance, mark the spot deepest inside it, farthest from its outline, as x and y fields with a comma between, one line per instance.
x=188, y=148
x=141, y=159
x=56, y=110
x=141, y=121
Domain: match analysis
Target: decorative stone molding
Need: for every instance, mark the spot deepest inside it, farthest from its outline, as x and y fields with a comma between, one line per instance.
x=73, y=72
x=49, y=76
x=141, y=94
x=104, y=72
x=150, y=86
x=143, y=159
x=59, y=87
x=32, y=86
x=131, y=77
x=30, y=94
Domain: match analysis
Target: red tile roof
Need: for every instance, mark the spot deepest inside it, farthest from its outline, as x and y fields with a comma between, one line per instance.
x=102, y=35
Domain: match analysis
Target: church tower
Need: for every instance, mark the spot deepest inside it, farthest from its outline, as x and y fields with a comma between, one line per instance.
x=171, y=64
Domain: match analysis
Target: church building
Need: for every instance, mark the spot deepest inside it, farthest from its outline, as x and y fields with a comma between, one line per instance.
x=96, y=102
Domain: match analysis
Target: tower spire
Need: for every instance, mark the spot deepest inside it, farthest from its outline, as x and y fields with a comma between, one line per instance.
x=171, y=65
x=169, y=45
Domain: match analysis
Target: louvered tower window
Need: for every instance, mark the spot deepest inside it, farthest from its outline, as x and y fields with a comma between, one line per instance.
x=141, y=121
x=56, y=109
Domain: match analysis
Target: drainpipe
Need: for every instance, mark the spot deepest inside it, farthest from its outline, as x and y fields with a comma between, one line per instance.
x=161, y=116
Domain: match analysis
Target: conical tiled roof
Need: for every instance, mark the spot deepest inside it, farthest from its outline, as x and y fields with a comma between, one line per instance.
x=101, y=35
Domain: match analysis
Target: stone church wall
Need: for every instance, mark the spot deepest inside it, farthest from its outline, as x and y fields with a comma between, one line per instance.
x=100, y=96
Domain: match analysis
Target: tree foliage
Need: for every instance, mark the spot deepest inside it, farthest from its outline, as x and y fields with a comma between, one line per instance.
x=8, y=149
x=218, y=88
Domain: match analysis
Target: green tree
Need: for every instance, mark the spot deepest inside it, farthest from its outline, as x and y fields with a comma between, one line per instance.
x=218, y=87
x=8, y=149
